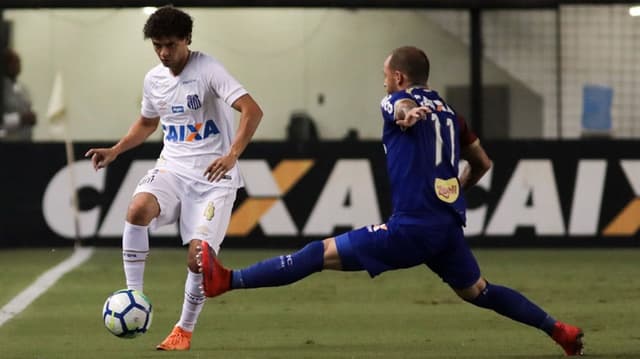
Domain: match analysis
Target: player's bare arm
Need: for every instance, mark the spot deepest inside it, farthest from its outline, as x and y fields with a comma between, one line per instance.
x=137, y=134
x=250, y=116
x=478, y=163
x=407, y=113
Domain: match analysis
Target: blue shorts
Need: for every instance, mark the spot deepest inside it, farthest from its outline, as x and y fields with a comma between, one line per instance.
x=441, y=247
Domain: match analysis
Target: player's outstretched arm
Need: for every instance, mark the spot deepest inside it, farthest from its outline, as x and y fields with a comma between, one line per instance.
x=407, y=113
x=138, y=132
x=250, y=116
x=478, y=163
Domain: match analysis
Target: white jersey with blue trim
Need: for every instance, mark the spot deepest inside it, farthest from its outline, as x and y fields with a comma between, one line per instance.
x=196, y=115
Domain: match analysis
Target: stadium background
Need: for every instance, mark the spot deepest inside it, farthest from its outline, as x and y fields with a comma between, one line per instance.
x=554, y=87
x=563, y=178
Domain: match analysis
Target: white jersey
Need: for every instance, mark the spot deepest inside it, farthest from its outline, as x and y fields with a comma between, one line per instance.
x=196, y=115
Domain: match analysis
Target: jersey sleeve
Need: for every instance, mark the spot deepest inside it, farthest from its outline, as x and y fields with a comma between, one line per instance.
x=223, y=84
x=467, y=136
x=147, y=109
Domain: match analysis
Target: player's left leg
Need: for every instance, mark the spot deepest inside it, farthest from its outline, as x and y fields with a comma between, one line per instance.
x=204, y=218
x=370, y=248
x=333, y=253
x=180, y=336
x=272, y=272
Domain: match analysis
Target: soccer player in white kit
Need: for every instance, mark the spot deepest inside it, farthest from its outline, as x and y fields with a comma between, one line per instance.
x=192, y=96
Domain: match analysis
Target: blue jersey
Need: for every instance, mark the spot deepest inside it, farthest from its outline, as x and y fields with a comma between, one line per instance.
x=422, y=161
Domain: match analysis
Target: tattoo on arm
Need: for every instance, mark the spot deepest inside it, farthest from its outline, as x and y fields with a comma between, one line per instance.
x=402, y=107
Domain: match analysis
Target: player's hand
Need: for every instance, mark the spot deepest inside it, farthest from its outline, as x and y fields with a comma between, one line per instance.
x=412, y=116
x=218, y=169
x=101, y=157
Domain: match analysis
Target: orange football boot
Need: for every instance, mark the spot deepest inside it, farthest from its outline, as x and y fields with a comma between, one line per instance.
x=178, y=339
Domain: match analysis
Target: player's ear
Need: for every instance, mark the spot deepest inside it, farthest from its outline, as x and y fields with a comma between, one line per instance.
x=189, y=39
x=398, y=77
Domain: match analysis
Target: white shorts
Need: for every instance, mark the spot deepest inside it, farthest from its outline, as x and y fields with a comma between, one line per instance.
x=204, y=210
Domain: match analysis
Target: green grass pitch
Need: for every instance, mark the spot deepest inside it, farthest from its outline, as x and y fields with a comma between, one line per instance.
x=401, y=314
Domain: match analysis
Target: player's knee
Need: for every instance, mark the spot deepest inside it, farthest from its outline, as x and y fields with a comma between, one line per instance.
x=331, y=259
x=472, y=292
x=139, y=213
x=192, y=260
x=143, y=208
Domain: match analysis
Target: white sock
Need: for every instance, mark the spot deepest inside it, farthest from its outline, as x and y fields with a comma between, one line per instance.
x=135, y=248
x=193, y=301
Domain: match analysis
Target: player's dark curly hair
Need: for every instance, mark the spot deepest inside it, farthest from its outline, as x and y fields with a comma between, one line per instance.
x=411, y=61
x=168, y=21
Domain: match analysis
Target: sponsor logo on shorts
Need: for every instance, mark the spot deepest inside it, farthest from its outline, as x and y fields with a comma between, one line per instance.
x=177, y=109
x=377, y=227
x=210, y=211
x=150, y=177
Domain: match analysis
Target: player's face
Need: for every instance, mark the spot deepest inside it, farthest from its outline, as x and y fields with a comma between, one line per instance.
x=390, y=78
x=172, y=51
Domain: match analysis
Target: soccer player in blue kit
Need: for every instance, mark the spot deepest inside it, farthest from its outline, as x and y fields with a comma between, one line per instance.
x=423, y=140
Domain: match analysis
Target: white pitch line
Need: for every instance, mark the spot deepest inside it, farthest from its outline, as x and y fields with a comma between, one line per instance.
x=44, y=282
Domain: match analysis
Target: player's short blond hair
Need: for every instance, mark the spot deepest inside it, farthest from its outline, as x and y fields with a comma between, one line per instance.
x=411, y=61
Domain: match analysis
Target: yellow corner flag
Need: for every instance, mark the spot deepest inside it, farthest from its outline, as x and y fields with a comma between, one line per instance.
x=58, y=126
x=56, y=108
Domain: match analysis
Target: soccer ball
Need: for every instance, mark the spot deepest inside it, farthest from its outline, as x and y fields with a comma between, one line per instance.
x=127, y=313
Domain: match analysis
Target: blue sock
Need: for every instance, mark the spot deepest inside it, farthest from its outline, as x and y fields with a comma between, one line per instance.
x=514, y=305
x=281, y=270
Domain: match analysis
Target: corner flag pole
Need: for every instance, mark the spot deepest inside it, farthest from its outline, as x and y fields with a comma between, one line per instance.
x=59, y=125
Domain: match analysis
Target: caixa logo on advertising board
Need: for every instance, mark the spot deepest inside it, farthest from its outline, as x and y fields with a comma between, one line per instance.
x=530, y=198
x=264, y=206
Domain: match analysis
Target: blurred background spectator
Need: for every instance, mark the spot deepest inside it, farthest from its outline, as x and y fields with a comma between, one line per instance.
x=18, y=118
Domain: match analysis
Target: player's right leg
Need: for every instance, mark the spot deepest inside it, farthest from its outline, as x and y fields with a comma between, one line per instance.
x=459, y=268
x=135, y=238
x=155, y=203
x=514, y=305
x=152, y=205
